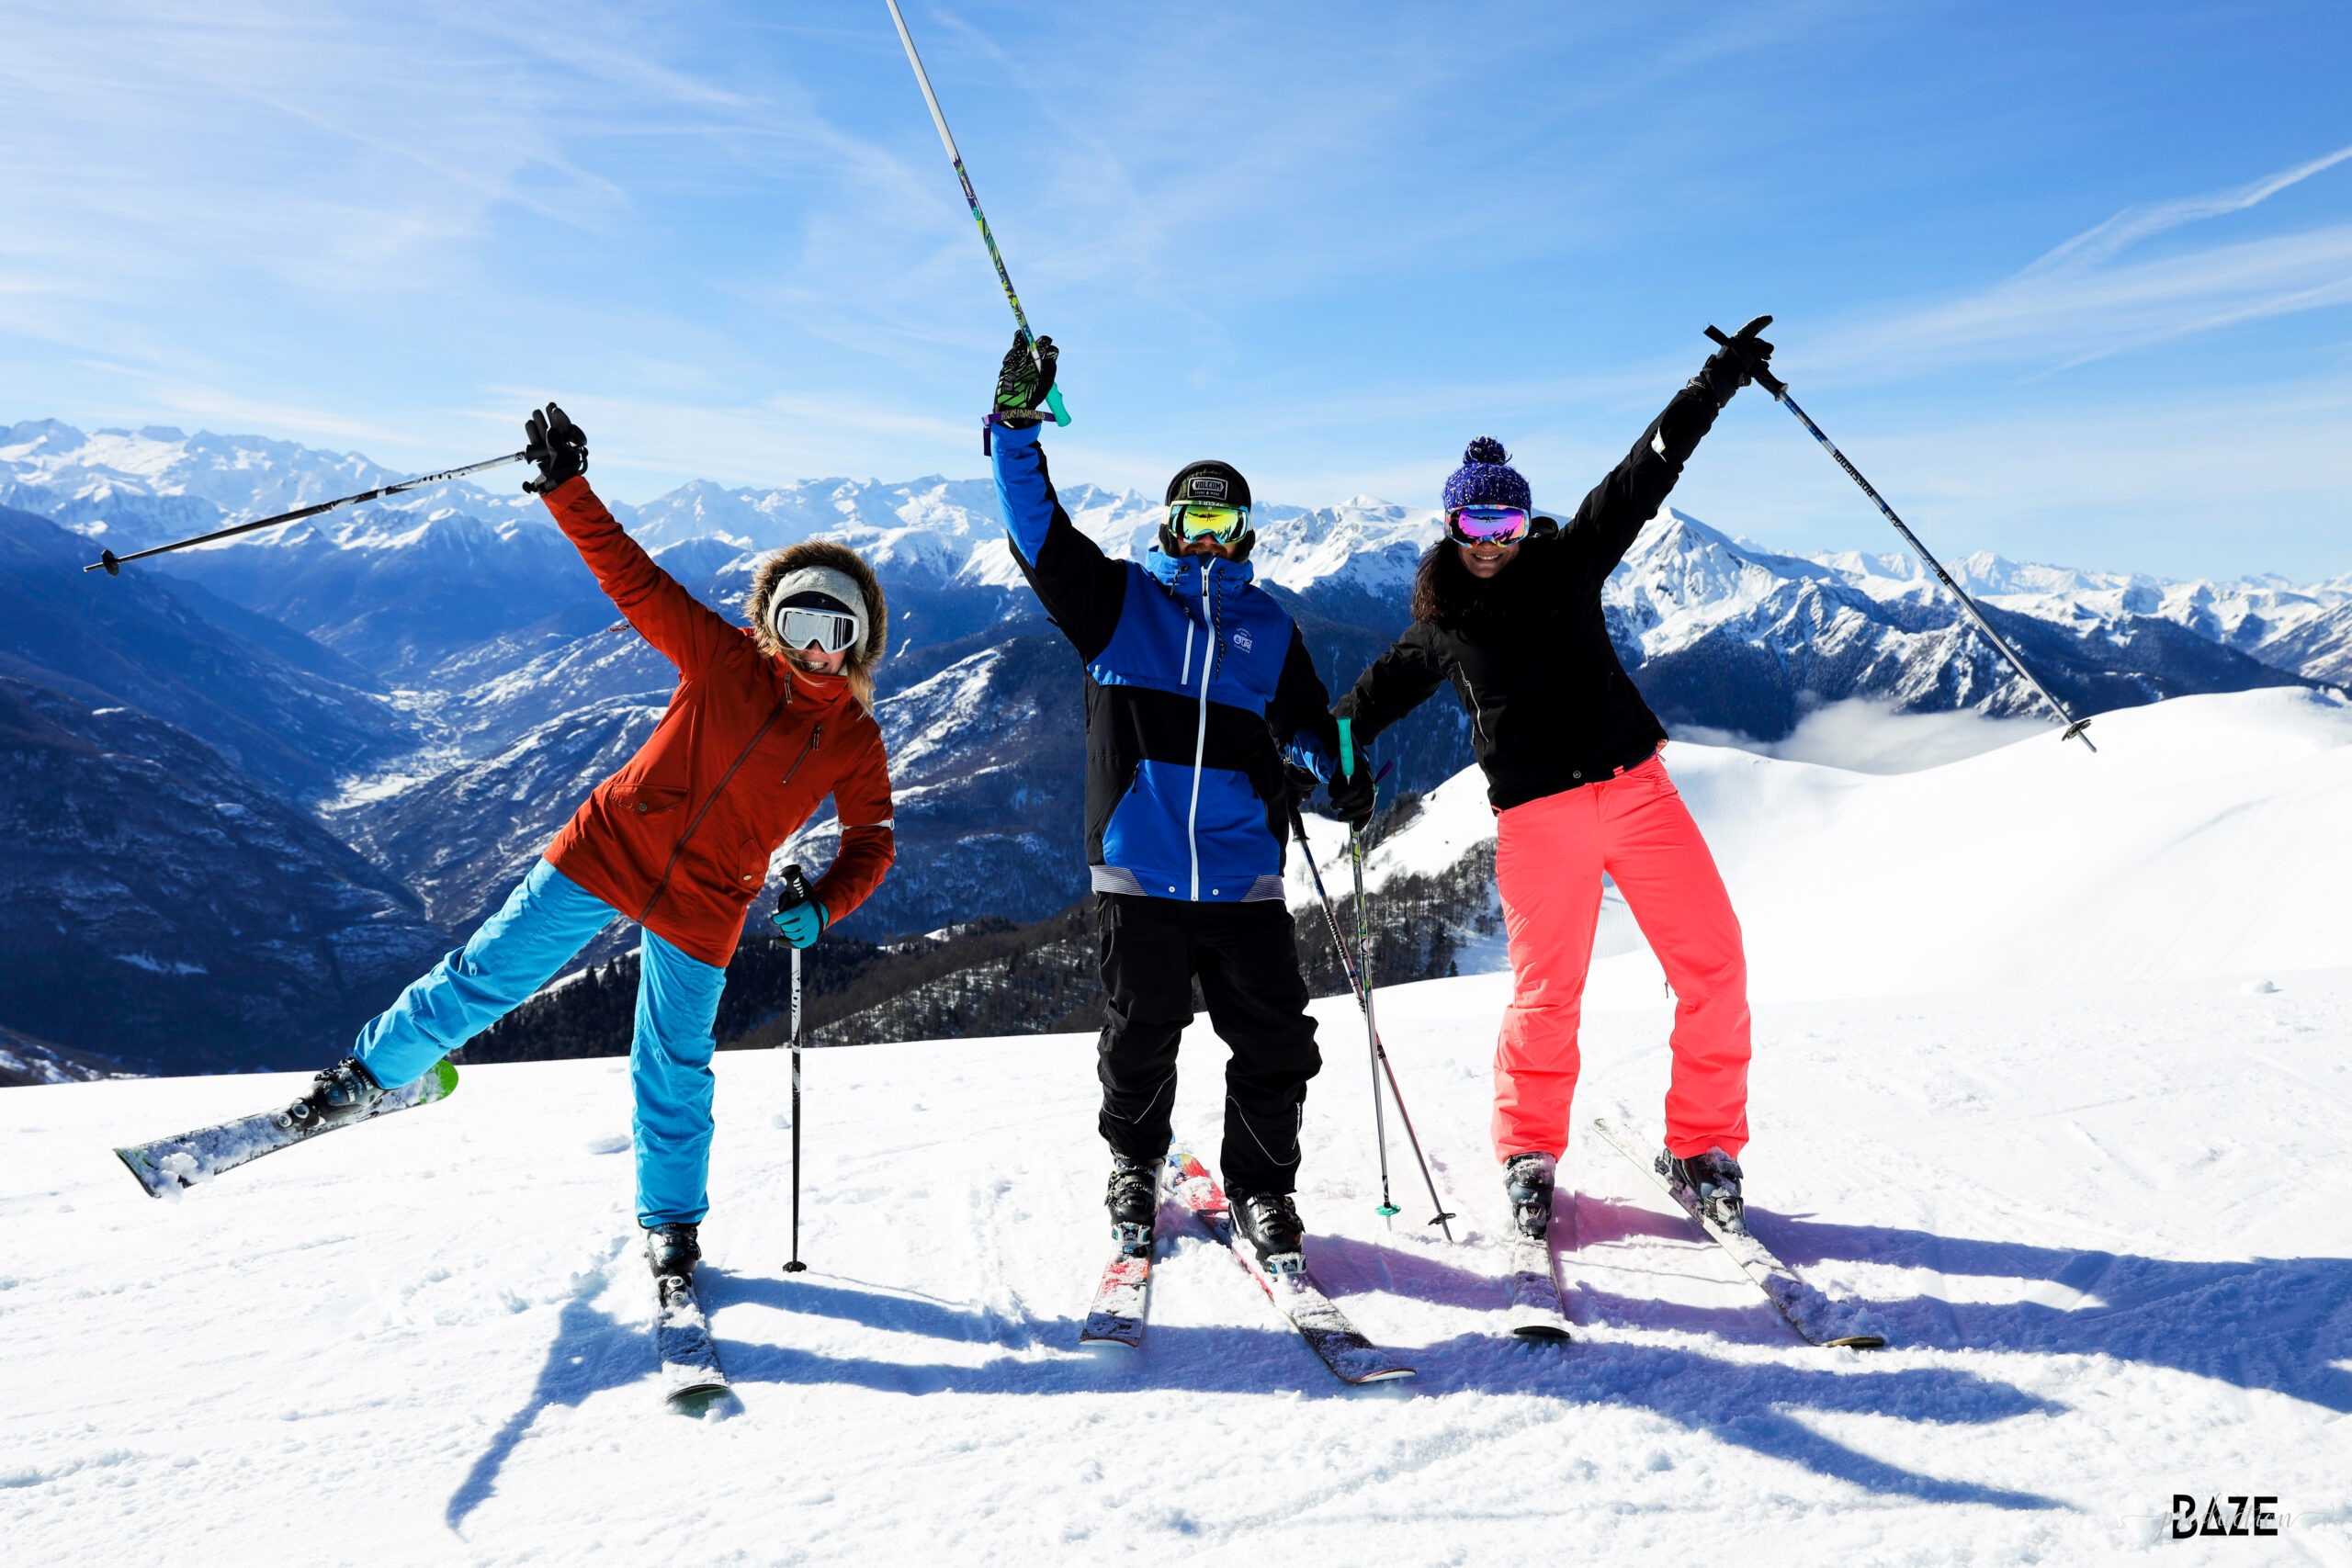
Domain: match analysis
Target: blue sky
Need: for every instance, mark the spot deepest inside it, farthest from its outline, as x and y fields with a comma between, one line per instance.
x=2070, y=282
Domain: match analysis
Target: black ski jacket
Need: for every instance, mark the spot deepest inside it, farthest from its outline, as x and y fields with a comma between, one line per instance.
x=1528, y=651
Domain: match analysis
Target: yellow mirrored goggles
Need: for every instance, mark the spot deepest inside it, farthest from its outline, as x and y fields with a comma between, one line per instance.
x=1190, y=520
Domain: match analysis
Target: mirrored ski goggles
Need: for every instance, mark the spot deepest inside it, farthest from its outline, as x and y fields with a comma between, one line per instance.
x=830, y=630
x=1487, y=524
x=1190, y=520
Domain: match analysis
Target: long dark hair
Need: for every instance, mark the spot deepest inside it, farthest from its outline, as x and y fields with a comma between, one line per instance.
x=1444, y=591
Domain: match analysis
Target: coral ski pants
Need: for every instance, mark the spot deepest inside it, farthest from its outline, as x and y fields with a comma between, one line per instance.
x=1549, y=857
x=544, y=921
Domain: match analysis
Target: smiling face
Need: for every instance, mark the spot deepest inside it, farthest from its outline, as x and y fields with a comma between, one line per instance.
x=1486, y=560
x=816, y=661
x=1216, y=547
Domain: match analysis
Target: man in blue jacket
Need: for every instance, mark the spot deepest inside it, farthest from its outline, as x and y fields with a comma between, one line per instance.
x=1197, y=683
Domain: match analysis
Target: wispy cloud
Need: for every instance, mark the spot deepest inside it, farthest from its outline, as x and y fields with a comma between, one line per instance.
x=2085, y=299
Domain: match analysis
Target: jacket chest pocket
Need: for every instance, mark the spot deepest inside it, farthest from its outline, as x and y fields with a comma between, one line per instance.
x=632, y=801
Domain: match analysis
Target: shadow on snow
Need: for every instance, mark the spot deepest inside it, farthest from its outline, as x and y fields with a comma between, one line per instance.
x=2268, y=1323
x=1740, y=1403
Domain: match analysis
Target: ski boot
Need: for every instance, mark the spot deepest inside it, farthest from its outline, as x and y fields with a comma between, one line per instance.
x=1527, y=1180
x=1710, y=1181
x=344, y=1092
x=1269, y=1225
x=1134, y=1201
x=673, y=1251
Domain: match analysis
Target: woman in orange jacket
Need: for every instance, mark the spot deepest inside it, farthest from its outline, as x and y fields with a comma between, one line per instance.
x=767, y=720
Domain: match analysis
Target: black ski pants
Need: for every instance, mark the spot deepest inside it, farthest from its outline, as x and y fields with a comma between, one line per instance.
x=1246, y=958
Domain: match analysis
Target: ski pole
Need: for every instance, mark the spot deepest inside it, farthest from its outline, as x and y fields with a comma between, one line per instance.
x=794, y=891
x=1348, y=968
x=971, y=199
x=1363, y=940
x=2076, y=727
x=112, y=564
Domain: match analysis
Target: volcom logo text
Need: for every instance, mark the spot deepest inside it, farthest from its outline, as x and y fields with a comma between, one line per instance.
x=1206, y=487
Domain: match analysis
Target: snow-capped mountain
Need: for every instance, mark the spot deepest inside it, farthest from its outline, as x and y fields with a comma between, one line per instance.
x=517, y=688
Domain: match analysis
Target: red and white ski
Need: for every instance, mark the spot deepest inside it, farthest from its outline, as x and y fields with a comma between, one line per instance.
x=1351, y=1358
x=1123, y=1292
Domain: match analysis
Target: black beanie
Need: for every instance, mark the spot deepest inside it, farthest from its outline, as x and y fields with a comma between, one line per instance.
x=1209, y=480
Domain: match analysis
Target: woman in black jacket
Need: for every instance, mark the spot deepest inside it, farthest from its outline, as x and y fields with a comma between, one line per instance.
x=1507, y=608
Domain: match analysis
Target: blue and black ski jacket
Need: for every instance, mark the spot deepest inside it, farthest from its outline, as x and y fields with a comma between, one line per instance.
x=1196, y=680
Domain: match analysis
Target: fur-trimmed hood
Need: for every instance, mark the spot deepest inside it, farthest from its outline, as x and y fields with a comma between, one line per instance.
x=842, y=559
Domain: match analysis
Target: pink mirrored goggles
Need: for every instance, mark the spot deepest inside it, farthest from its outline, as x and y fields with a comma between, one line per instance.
x=1487, y=525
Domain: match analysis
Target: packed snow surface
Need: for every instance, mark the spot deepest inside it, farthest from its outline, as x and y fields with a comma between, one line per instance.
x=2087, y=1170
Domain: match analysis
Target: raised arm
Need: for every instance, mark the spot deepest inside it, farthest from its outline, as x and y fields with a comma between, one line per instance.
x=1081, y=588
x=687, y=632
x=684, y=630
x=1614, y=511
x=1397, y=682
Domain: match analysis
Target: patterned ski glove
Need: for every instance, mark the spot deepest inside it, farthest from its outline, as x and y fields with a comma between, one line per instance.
x=802, y=924
x=1352, y=794
x=558, y=447
x=1735, y=364
x=1023, y=383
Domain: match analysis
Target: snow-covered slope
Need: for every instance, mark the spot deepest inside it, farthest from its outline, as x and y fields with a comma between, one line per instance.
x=2080, y=1199
x=2209, y=837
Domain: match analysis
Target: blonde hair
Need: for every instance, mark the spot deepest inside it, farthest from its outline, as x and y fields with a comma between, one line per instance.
x=859, y=668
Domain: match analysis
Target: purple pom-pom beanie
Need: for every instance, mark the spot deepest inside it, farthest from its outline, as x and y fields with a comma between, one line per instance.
x=1487, y=479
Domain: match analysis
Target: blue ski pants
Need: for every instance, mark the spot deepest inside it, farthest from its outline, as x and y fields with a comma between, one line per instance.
x=544, y=923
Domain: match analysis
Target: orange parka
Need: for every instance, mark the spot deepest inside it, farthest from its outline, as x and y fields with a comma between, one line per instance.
x=679, y=839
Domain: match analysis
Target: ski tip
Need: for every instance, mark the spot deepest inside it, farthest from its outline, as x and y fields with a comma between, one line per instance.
x=1541, y=1334
x=135, y=1161
x=700, y=1399
x=445, y=1076
x=1394, y=1381
x=1857, y=1342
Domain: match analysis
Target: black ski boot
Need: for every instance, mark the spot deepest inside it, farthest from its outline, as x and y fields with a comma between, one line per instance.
x=673, y=1251
x=1711, y=1179
x=1134, y=1201
x=344, y=1092
x=1527, y=1178
x=1268, y=1224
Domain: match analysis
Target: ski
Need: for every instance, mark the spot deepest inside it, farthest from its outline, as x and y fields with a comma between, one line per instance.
x=1120, y=1297
x=170, y=1165
x=692, y=1380
x=1819, y=1319
x=1535, y=1312
x=1123, y=1292
x=1342, y=1348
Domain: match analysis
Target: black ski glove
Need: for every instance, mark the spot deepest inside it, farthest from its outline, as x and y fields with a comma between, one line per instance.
x=558, y=447
x=1024, y=381
x=1735, y=364
x=1352, y=794
x=1303, y=782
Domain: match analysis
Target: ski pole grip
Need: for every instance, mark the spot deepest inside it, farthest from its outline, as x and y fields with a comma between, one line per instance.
x=1764, y=378
x=1347, y=747
x=1054, y=402
x=796, y=889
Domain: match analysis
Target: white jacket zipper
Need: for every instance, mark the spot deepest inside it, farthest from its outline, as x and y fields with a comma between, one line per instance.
x=1201, y=734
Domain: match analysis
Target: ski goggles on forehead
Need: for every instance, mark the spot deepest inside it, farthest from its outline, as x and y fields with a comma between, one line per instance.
x=830, y=630
x=1487, y=524
x=1190, y=520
